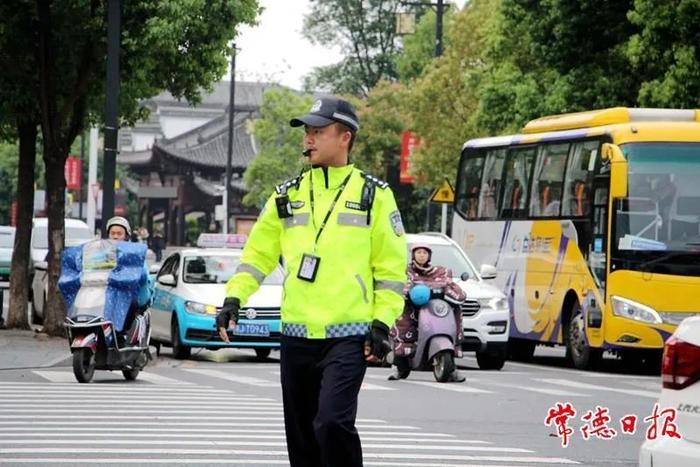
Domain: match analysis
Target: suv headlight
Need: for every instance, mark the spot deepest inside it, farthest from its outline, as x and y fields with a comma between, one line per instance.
x=200, y=308
x=495, y=303
x=629, y=309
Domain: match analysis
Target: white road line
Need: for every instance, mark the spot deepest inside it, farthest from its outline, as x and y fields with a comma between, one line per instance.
x=49, y=437
x=239, y=452
x=463, y=387
x=552, y=392
x=155, y=421
x=79, y=389
x=200, y=402
x=396, y=435
x=375, y=387
x=143, y=461
x=160, y=379
x=88, y=409
x=230, y=376
x=580, y=385
x=56, y=376
x=434, y=446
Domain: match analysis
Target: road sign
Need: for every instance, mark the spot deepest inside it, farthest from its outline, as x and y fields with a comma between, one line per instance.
x=444, y=194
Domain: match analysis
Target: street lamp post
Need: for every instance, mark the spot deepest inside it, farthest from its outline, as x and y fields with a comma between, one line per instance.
x=111, y=111
x=229, y=155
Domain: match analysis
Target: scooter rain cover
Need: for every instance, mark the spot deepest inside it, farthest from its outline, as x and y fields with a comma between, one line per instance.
x=124, y=264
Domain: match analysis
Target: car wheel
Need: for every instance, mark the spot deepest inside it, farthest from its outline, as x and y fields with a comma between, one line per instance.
x=180, y=350
x=262, y=353
x=521, y=350
x=583, y=356
x=490, y=361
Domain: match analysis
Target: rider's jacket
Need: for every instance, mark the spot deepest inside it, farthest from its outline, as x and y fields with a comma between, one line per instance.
x=339, y=280
x=435, y=277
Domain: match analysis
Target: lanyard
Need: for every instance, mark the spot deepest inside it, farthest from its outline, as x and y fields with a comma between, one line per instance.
x=330, y=209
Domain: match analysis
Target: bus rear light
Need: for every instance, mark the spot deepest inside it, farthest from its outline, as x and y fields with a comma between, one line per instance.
x=681, y=364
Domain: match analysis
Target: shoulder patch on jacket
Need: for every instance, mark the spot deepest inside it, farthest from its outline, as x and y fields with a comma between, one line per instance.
x=396, y=223
x=282, y=188
x=375, y=181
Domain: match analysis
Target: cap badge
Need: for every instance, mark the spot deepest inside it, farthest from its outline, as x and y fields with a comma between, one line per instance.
x=317, y=106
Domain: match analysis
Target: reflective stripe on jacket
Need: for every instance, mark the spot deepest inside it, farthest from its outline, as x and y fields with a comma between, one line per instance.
x=361, y=273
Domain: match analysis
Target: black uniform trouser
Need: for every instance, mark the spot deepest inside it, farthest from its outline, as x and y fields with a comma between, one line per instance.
x=321, y=379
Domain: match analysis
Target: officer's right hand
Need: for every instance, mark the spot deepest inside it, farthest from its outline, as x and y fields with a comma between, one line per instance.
x=228, y=316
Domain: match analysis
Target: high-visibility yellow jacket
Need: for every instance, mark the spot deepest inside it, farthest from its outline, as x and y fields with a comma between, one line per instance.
x=362, y=267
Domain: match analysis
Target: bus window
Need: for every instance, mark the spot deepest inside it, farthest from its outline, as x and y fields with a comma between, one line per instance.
x=468, y=190
x=545, y=199
x=576, y=202
x=491, y=183
x=517, y=183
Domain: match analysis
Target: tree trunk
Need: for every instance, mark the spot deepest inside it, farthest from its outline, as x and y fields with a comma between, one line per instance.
x=54, y=309
x=20, y=283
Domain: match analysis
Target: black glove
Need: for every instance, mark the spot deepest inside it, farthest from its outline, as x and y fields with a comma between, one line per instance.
x=229, y=312
x=378, y=339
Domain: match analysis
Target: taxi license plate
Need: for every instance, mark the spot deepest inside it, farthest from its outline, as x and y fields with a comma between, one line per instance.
x=252, y=329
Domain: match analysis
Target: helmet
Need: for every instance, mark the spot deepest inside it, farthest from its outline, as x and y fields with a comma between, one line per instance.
x=424, y=246
x=121, y=222
x=419, y=294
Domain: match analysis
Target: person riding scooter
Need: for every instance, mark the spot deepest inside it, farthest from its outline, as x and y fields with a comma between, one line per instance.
x=405, y=330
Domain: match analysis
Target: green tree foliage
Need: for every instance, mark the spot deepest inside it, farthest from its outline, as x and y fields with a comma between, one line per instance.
x=9, y=161
x=443, y=100
x=666, y=52
x=279, y=157
x=418, y=49
x=555, y=56
x=178, y=45
x=365, y=32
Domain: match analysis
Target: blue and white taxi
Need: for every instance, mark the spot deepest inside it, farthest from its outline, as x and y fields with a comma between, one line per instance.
x=189, y=292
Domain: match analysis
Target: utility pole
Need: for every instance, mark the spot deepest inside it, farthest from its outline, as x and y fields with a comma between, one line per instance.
x=438, y=27
x=229, y=156
x=111, y=111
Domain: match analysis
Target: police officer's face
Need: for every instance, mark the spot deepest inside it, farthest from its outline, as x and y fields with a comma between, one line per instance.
x=328, y=145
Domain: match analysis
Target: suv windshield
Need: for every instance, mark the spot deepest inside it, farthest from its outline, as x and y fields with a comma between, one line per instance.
x=450, y=257
x=208, y=269
x=658, y=223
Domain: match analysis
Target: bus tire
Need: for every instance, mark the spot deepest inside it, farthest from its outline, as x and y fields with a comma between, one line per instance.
x=521, y=350
x=581, y=355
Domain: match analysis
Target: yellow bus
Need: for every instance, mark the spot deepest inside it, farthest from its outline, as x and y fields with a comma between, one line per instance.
x=592, y=221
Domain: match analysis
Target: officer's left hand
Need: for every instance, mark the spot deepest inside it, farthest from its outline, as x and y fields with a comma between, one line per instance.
x=228, y=316
x=377, y=343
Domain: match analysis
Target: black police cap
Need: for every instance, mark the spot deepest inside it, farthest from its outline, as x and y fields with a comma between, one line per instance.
x=327, y=110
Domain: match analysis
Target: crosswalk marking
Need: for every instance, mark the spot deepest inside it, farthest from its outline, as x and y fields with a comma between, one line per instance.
x=552, y=392
x=375, y=387
x=448, y=387
x=581, y=385
x=236, y=378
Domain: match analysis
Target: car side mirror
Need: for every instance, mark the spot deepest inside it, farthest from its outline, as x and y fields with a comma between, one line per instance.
x=41, y=266
x=488, y=272
x=465, y=276
x=167, y=280
x=154, y=268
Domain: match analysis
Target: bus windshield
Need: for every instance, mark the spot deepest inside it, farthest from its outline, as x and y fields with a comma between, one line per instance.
x=659, y=221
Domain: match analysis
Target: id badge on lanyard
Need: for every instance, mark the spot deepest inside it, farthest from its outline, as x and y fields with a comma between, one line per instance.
x=309, y=261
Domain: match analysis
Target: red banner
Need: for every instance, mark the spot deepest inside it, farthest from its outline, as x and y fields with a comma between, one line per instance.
x=409, y=141
x=72, y=172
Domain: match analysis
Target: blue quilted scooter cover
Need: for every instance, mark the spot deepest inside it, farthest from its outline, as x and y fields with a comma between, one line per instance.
x=127, y=278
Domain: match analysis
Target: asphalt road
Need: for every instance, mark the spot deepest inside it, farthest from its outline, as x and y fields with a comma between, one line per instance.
x=225, y=408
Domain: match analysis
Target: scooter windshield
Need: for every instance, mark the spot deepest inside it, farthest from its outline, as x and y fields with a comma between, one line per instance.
x=102, y=278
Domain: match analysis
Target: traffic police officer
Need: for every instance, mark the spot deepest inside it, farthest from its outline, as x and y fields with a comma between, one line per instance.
x=341, y=239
